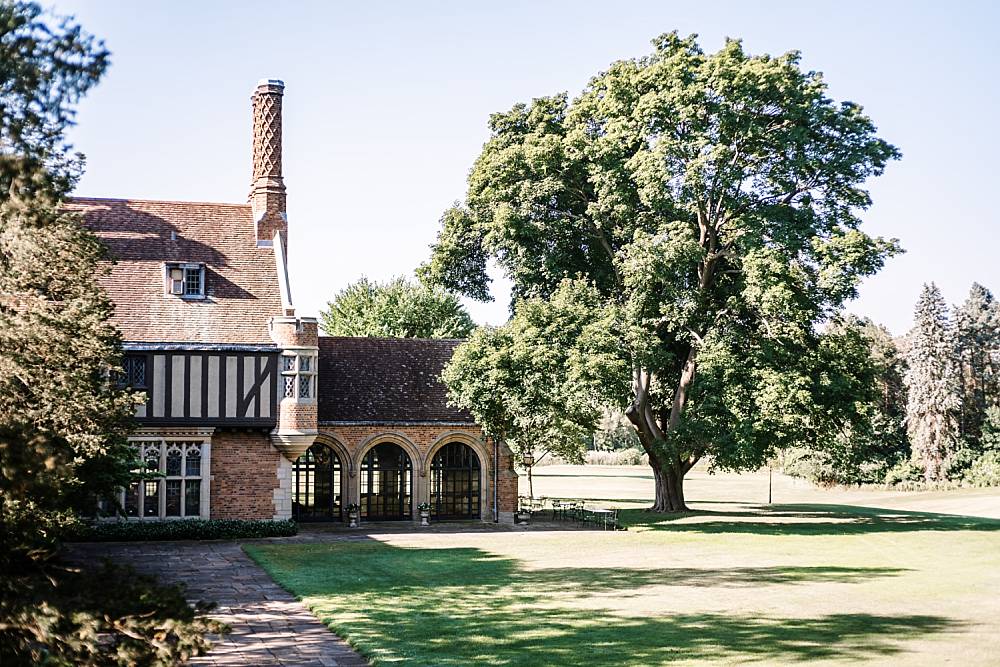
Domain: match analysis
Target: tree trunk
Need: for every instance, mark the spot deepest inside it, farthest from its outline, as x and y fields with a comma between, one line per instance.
x=669, y=480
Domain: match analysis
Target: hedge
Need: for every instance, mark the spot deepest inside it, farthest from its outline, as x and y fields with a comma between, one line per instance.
x=183, y=529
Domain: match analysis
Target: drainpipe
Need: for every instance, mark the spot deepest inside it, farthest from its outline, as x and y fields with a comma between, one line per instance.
x=496, y=477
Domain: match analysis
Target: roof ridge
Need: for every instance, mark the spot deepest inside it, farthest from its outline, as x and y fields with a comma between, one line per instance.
x=156, y=201
x=401, y=338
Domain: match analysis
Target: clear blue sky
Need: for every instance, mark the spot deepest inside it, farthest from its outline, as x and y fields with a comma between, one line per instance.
x=386, y=106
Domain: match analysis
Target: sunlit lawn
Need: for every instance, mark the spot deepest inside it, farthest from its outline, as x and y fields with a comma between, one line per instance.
x=826, y=581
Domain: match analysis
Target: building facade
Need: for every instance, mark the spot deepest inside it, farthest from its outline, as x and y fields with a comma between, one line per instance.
x=247, y=412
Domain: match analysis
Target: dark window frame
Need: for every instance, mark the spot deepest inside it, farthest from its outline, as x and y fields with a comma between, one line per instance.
x=319, y=469
x=386, y=483
x=456, y=482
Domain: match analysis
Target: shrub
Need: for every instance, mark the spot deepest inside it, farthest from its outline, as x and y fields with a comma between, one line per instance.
x=906, y=472
x=186, y=529
x=624, y=457
x=984, y=471
x=63, y=615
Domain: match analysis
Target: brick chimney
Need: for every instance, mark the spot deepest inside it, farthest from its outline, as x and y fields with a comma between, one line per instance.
x=267, y=188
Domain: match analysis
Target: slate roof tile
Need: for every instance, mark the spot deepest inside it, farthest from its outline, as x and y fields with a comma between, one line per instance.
x=385, y=380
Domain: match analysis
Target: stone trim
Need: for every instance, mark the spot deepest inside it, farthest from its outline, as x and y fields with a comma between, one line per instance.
x=397, y=438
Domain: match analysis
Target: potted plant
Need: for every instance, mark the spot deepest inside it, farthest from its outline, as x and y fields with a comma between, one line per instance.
x=425, y=513
x=353, y=510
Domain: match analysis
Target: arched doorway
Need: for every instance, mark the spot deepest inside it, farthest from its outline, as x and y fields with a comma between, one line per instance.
x=386, y=483
x=455, y=482
x=316, y=485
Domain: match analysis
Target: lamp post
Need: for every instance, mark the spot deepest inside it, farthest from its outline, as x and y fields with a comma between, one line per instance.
x=528, y=458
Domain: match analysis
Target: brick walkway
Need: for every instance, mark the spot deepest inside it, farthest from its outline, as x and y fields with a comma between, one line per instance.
x=269, y=627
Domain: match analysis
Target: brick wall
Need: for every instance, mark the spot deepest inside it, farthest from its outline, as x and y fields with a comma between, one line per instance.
x=297, y=416
x=244, y=475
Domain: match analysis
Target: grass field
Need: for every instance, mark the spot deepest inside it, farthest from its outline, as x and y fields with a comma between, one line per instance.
x=820, y=576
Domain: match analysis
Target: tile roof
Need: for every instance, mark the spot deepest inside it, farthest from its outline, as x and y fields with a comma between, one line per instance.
x=385, y=380
x=241, y=279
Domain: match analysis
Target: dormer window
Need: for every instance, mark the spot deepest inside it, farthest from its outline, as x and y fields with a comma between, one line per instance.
x=186, y=280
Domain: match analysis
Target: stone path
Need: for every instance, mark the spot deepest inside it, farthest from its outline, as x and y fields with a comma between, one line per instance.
x=269, y=627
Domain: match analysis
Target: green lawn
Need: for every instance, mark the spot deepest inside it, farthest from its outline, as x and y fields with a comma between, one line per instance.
x=733, y=583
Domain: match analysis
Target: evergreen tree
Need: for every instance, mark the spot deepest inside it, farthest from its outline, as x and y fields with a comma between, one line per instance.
x=933, y=383
x=977, y=329
x=63, y=420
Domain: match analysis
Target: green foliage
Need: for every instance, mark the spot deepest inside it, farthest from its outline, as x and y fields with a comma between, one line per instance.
x=632, y=456
x=864, y=452
x=990, y=440
x=985, y=470
x=707, y=207
x=62, y=421
x=906, y=471
x=615, y=433
x=398, y=308
x=45, y=70
x=933, y=384
x=188, y=529
x=977, y=333
x=105, y=616
x=532, y=382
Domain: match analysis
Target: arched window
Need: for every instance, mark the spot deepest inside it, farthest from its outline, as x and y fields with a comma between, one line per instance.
x=455, y=482
x=316, y=485
x=386, y=483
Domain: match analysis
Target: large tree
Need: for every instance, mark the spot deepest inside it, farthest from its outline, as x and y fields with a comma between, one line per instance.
x=63, y=419
x=710, y=204
x=977, y=334
x=933, y=383
x=398, y=308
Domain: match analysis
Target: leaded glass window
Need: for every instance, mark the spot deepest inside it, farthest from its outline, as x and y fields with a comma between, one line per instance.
x=298, y=370
x=171, y=480
x=455, y=482
x=133, y=372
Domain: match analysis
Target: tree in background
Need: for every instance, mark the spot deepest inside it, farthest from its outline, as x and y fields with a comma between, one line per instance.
x=398, y=308
x=703, y=210
x=863, y=453
x=63, y=421
x=933, y=383
x=977, y=331
x=614, y=433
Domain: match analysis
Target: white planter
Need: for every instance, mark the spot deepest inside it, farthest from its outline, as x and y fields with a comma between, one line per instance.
x=425, y=515
x=352, y=517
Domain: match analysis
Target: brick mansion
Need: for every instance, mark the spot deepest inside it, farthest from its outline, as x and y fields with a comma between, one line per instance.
x=249, y=413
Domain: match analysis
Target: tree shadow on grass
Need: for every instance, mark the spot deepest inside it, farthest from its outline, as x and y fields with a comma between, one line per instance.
x=805, y=519
x=462, y=606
